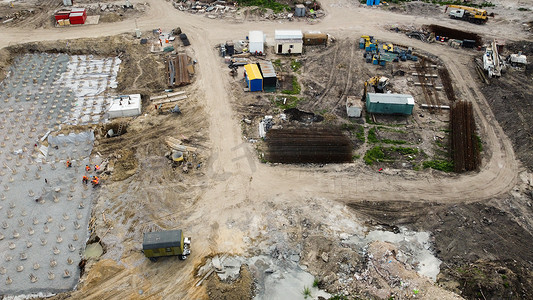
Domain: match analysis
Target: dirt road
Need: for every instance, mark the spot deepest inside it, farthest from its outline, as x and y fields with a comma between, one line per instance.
x=237, y=184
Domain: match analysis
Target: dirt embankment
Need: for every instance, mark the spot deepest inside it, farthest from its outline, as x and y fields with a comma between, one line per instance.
x=140, y=71
x=511, y=100
x=482, y=248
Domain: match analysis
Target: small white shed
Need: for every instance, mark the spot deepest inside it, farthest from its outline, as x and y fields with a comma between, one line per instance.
x=256, y=42
x=288, y=41
x=125, y=106
x=353, y=107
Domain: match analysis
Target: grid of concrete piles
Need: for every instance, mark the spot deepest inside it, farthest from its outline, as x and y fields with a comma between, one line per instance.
x=44, y=206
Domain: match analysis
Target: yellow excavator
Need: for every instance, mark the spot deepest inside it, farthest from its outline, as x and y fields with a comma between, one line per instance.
x=379, y=83
x=470, y=14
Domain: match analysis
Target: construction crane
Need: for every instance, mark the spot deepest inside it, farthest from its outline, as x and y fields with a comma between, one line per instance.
x=470, y=14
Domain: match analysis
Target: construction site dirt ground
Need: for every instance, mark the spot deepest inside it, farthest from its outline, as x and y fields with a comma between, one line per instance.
x=322, y=219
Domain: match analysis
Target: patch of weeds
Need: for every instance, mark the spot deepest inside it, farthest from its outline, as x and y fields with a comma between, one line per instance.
x=441, y=165
x=296, y=89
x=290, y=102
x=479, y=143
x=372, y=138
x=522, y=9
x=275, y=6
x=356, y=156
x=277, y=63
x=306, y=292
x=357, y=130
x=316, y=282
x=506, y=285
x=373, y=155
x=404, y=150
x=360, y=133
x=393, y=142
x=296, y=65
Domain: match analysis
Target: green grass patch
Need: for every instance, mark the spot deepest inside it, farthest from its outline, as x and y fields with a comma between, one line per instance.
x=290, y=102
x=379, y=153
x=437, y=164
x=372, y=137
x=277, y=63
x=373, y=155
x=296, y=65
x=296, y=89
x=356, y=156
x=393, y=142
x=273, y=5
x=316, y=282
x=306, y=292
x=357, y=130
x=479, y=143
x=360, y=133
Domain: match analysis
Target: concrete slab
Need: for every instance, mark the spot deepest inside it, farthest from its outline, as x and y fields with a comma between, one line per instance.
x=44, y=206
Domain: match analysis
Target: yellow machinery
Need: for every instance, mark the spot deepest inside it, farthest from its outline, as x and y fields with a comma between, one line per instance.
x=475, y=15
x=378, y=82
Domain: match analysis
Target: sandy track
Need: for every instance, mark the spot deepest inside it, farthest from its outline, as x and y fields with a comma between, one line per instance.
x=238, y=182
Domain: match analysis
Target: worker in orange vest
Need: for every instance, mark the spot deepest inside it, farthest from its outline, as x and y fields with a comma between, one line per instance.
x=87, y=168
x=96, y=168
x=85, y=179
x=69, y=164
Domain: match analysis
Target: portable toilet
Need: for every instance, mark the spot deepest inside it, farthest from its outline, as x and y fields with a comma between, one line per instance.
x=253, y=77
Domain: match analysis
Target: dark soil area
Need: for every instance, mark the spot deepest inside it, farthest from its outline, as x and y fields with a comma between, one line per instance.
x=511, y=100
x=485, y=253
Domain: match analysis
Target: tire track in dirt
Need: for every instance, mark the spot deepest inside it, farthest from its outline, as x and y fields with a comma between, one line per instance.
x=332, y=77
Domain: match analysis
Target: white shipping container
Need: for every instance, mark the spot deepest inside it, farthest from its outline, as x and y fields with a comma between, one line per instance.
x=256, y=42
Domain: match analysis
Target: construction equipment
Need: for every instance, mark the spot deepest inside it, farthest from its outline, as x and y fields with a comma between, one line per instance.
x=378, y=82
x=161, y=108
x=470, y=14
x=517, y=60
x=166, y=243
x=492, y=62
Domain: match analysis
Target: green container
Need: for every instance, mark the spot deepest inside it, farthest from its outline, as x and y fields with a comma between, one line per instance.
x=390, y=104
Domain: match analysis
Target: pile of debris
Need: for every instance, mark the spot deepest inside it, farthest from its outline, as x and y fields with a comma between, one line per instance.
x=220, y=9
x=21, y=14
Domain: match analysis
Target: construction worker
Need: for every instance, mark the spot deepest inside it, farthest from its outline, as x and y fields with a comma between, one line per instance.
x=95, y=182
x=87, y=168
x=96, y=168
x=69, y=164
x=85, y=179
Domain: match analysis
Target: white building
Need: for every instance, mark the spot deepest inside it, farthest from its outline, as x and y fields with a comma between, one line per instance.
x=288, y=41
x=256, y=42
x=125, y=106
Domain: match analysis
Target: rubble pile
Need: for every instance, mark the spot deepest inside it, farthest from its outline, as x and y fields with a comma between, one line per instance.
x=222, y=9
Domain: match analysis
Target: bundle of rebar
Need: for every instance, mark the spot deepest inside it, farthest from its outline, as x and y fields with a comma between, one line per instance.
x=308, y=145
x=447, y=83
x=465, y=146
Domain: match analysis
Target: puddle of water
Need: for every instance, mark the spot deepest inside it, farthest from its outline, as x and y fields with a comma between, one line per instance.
x=93, y=250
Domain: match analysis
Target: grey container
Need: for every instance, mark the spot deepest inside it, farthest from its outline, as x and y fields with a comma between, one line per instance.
x=299, y=10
